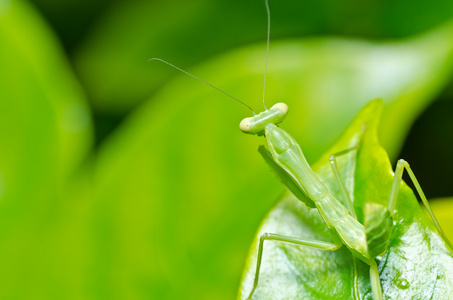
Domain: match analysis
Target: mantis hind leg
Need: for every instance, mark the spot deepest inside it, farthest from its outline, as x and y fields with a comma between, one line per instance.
x=374, y=272
x=376, y=287
x=290, y=240
x=402, y=164
x=350, y=206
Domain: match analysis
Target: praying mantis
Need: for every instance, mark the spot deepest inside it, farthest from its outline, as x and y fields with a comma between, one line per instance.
x=365, y=241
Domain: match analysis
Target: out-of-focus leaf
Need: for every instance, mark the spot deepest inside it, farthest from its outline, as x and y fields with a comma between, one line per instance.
x=112, y=64
x=443, y=210
x=142, y=30
x=44, y=135
x=35, y=72
x=180, y=191
x=429, y=145
x=71, y=19
x=415, y=248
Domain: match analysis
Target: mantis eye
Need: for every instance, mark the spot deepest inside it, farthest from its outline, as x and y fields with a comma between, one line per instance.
x=282, y=106
x=245, y=125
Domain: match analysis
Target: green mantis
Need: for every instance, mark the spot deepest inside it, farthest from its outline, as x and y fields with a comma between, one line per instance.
x=365, y=241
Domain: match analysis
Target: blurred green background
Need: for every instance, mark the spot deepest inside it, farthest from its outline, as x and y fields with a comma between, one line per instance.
x=125, y=179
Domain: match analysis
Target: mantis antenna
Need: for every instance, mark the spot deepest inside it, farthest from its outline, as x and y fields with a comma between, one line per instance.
x=193, y=76
x=267, y=48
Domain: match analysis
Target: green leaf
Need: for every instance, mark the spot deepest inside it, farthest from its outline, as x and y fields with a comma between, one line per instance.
x=45, y=133
x=39, y=90
x=291, y=272
x=443, y=210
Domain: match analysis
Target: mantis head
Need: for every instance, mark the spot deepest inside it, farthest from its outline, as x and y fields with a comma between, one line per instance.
x=256, y=124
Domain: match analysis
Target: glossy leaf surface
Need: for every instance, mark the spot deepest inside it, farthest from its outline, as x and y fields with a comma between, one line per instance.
x=416, y=265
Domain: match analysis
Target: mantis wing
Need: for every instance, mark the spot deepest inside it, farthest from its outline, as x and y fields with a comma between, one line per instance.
x=378, y=226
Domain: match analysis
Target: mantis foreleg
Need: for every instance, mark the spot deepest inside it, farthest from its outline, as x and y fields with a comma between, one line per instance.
x=402, y=164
